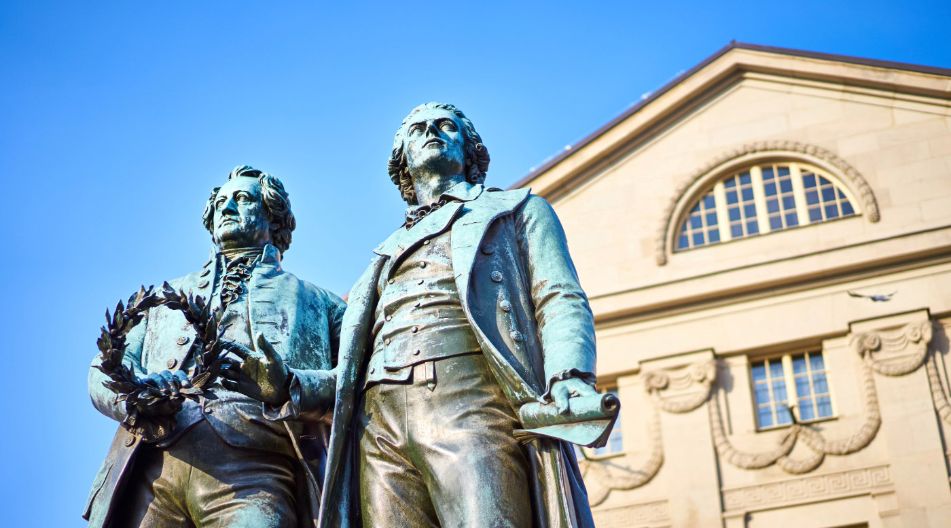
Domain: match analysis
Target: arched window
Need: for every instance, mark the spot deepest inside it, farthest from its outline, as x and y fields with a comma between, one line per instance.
x=759, y=199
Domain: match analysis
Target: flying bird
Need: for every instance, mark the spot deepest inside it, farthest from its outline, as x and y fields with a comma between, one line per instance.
x=875, y=297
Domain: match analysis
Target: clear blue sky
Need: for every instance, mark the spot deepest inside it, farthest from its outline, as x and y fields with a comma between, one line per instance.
x=116, y=118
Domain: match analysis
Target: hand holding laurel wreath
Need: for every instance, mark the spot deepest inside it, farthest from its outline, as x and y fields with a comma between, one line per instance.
x=152, y=402
x=167, y=382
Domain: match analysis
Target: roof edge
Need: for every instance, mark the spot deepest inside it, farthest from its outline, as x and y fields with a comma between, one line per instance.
x=918, y=68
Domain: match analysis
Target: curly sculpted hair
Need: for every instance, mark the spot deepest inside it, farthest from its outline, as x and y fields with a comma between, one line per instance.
x=477, y=156
x=277, y=205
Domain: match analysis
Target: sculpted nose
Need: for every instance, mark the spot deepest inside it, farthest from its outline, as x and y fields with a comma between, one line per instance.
x=229, y=208
x=432, y=129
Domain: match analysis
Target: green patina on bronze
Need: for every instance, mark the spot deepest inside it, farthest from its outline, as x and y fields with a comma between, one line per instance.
x=248, y=450
x=455, y=460
x=458, y=376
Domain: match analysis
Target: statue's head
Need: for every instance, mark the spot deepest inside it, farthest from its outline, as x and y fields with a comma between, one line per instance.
x=250, y=210
x=436, y=136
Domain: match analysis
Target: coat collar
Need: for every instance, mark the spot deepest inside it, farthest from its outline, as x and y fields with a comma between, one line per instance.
x=434, y=223
x=270, y=256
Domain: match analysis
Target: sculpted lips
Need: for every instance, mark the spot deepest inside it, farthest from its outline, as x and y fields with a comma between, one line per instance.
x=436, y=141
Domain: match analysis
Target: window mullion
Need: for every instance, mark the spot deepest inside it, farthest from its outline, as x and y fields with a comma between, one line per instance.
x=792, y=395
x=759, y=198
x=723, y=220
x=812, y=388
x=799, y=193
x=769, y=388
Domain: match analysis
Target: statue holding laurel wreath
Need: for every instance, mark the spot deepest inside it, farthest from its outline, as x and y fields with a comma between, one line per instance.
x=202, y=375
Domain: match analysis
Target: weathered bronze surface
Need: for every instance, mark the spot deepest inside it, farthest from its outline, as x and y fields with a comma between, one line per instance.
x=468, y=312
x=205, y=442
x=464, y=371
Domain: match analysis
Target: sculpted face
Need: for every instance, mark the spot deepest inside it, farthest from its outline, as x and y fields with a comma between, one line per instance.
x=433, y=142
x=240, y=219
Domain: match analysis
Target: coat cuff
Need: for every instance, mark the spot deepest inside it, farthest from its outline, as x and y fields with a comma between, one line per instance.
x=587, y=377
x=311, y=396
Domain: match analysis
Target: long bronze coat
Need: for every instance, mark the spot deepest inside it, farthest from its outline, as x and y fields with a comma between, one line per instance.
x=507, y=247
x=299, y=319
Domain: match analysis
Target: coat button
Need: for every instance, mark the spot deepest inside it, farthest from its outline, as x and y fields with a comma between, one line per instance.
x=422, y=264
x=516, y=335
x=487, y=249
x=389, y=317
x=171, y=363
x=505, y=306
x=129, y=440
x=496, y=276
x=426, y=242
x=386, y=341
x=415, y=329
x=203, y=284
x=182, y=340
x=391, y=281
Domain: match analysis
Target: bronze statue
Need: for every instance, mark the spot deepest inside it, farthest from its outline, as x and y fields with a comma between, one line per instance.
x=248, y=450
x=469, y=313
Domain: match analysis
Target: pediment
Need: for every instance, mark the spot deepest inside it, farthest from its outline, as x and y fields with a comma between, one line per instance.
x=737, y=63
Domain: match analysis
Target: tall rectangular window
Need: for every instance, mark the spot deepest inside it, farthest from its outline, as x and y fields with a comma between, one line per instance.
x=805, y=373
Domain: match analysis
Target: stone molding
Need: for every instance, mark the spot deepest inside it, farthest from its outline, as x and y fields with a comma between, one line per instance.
x=818, y=443
x=675, y=390
x=896, y=351
x=686, y=388
x=602, y=476
x=807, y=489
x=654, y=513
x=750, y=153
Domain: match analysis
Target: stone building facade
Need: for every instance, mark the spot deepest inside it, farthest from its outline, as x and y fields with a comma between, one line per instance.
x=766, y=242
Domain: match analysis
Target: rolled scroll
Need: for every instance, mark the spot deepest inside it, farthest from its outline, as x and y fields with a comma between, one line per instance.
x=588, y=422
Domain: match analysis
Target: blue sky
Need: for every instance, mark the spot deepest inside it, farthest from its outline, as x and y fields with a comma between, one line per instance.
x=116, y=118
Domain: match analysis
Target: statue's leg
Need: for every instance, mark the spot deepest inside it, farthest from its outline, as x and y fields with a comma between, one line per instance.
x=392, y=491
x=237, y=487
x=475, y=470
x=154, y=494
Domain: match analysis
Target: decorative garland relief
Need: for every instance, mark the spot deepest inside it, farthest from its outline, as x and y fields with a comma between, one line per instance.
x=888, y=353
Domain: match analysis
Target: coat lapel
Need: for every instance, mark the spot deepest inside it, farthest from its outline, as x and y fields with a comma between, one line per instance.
x=403, y=241
x=267, y=302
x=468, y=231
x=354, y=334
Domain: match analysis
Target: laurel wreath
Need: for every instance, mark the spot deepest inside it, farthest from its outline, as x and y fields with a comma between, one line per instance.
x=138, y=394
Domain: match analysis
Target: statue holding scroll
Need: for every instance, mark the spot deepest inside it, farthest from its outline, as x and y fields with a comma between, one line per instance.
x=464, y=345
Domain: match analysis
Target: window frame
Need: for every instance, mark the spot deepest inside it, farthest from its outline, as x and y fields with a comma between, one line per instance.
x=792, y=394
x=762, y=217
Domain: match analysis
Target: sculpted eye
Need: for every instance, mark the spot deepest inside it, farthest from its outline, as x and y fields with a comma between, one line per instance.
x=448, y=125
x=415, y=129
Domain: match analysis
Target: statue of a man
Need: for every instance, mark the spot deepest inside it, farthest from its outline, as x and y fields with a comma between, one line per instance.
x=469, y=310
x=251, y=453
